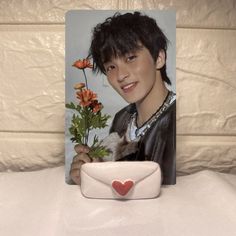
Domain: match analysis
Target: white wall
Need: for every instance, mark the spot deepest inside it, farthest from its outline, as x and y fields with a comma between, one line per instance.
x=32, y=81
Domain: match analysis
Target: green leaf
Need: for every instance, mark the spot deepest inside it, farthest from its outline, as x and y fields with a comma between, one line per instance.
x=70, y=105
x=82, y=122
x=78, y=129
x=98, y=152
x=78, y=108
x=99, y=121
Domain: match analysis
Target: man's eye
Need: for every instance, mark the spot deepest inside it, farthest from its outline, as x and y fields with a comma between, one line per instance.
x=109, y=68
x=131, y=58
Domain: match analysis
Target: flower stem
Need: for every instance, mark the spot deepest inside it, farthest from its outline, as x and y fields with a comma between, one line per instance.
x=86, y=126
x=86, y=81
x=87, y=136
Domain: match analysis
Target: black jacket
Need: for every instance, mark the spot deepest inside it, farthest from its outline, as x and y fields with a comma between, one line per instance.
x=158, y=144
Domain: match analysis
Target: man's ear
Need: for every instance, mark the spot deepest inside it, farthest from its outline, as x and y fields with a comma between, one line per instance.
x=161, y=60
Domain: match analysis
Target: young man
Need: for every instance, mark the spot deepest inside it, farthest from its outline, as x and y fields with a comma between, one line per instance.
x=131, y=50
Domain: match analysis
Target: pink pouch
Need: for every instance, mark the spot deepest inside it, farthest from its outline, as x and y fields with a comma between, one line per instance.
x=121, y=180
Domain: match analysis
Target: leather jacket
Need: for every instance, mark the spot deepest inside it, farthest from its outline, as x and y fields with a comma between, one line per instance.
x=158, y=144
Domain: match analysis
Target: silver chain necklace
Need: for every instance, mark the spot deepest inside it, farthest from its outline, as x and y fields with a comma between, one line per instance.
x=134, y=133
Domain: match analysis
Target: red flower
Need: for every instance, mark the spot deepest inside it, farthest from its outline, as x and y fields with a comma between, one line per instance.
x=86, y=97
x=82, y=64
x=96, y=106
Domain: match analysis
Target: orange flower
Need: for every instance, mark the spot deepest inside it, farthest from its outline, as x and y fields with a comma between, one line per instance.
x=79, y=86
x=82, y=64
x=86, y=97
x=96, y=106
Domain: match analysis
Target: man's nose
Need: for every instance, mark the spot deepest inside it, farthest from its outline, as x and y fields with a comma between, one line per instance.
x=123, y=73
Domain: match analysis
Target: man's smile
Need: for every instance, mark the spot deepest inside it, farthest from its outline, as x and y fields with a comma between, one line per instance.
x=129, y=87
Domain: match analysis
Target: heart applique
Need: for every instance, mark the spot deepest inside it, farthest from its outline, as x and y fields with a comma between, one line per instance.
x=122, y=187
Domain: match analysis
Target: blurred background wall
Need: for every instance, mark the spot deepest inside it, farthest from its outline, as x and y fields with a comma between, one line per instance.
x=32, y=81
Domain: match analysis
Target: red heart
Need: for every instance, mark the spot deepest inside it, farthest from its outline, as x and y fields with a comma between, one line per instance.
x=122, y=188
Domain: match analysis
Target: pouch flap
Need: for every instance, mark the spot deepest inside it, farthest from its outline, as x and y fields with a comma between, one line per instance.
x=106, y=172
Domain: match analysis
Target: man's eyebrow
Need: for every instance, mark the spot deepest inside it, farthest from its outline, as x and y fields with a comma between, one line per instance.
x=133, y=51
x=106, y=62
x=109, y=60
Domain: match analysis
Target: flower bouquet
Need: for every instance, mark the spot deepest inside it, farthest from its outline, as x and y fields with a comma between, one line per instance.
x=88, y=115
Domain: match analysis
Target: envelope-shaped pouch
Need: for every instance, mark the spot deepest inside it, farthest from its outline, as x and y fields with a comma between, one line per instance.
x=121, y=180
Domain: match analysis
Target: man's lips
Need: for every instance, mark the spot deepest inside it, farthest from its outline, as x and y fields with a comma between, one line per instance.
x=129, y=87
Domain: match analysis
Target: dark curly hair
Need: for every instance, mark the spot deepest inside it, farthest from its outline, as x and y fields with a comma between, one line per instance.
x=122, y=34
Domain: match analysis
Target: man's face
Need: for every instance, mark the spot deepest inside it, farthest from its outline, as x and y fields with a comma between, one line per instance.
x=133, y=76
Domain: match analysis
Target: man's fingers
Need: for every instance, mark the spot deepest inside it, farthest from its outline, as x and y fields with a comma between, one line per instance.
x=97, y=159
x=81, y=148
x=82, y=157
x=76, y=165
x=75, y=171
x=75, y=175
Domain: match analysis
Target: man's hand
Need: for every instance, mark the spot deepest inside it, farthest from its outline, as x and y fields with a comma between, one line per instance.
x=81, y=158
